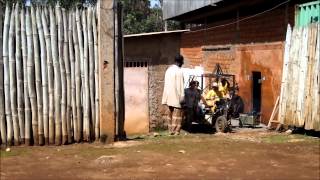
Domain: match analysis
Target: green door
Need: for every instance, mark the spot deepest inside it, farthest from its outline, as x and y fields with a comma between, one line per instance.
x=308, y=13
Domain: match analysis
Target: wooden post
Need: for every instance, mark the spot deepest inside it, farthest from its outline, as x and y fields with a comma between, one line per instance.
x=106, y=70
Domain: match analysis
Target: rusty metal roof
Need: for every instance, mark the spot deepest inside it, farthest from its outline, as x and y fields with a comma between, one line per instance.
x=174, y=8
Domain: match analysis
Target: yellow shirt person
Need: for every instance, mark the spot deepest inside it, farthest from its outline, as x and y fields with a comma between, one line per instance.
x=213, y=96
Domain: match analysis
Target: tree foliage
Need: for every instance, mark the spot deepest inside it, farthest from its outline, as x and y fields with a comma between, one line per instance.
x=139, y=17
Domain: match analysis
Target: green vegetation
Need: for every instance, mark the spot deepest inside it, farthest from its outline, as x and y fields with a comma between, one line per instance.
x=139, y=17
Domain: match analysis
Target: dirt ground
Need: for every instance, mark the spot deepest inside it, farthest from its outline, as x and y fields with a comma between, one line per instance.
x=241, y=155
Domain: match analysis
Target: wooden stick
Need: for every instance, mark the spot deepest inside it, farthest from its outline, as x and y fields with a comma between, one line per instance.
x=13, y=79
x=5, y=106
x=44, y=78
x=50, y=76
x=31, y=78
x=274, y=111
x=96, y=77
x=19, y=72
x=86, y=106
x=57, y=76
x=77, y=75
x=67, y=76
x=27, y=110
x=80, y=45
x=73, y=81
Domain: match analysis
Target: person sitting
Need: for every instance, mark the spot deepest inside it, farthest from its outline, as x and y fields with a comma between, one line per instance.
x=213, y=95
x=224, y=87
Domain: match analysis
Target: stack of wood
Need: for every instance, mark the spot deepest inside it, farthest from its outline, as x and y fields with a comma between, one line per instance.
x=300, y=88
x=49, y=91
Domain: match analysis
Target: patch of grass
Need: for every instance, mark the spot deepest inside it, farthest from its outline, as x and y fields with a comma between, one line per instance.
x=13, y=152
x=284, y=138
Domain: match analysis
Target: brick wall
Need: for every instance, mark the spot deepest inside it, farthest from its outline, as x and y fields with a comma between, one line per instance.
x=256, y=45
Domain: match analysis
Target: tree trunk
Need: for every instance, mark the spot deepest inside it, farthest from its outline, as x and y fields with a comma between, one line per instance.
x=57, y=76
x=44, y=76
x=38, y=76
x=73, y=81
x=63, y=76
x=31, y=78
x=80, y=45
x=19, y=72
x=68, y=74
x=91, y=71
x=13, y=80
x=50, y=77
x=2, y=111
x=96, y=77
x=86, y=106
x=27, y=110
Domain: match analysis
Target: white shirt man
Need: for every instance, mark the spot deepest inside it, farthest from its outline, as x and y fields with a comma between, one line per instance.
x=173, y=95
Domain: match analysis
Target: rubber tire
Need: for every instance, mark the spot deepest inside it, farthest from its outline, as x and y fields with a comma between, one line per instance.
x=221, y=124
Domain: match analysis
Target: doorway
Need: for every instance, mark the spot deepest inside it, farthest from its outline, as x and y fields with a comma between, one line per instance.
x=256, y=91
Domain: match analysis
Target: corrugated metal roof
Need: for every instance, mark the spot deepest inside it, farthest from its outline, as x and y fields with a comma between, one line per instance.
x=173, y=8
x=155, y=33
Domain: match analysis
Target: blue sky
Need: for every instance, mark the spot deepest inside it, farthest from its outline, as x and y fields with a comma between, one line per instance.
x=154, y=2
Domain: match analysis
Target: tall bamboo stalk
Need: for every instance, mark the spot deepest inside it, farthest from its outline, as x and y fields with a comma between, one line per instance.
x=63, y=75
x=77, y=76
x=2, y=111
x=19, y=72
x=57, y=76
x=86, y=109
x=50, y=76
x=80, y=45
x=91, y=71
x=6, y=81
x=96, y=75
x=27, y=110
x=38, y=76
x=68, y=73
x=13, y=80
x=44, y=76
x=31, y=78
x=73, y=81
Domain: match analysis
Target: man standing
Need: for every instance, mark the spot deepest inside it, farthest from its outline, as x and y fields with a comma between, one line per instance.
x=173, y=95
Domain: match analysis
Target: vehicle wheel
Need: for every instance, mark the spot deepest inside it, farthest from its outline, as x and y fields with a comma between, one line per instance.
x=221, y=124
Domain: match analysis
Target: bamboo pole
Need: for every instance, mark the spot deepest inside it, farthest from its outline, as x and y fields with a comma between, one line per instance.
x=31, y=78
x=2, y=105
x=77, y=76
x=37, y=75
x=66, y=78
x=80, y=45
x=19, y=72
x=57, y=77
x=13, y=79
x=96, y=77
x=6, y=76
x=63, y=75
x=44, y=76
x=73, y=82
x=91, y=71
x=86, y=106
x=27, y=105
x=50, y=76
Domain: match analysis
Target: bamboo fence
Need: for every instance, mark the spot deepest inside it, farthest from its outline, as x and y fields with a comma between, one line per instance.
x=300, y=88
x=49, y=91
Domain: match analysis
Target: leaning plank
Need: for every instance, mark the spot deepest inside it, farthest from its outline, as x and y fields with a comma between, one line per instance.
x=274, y=112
